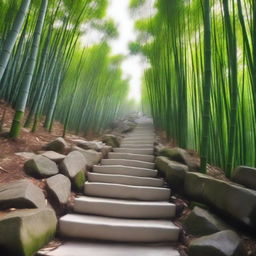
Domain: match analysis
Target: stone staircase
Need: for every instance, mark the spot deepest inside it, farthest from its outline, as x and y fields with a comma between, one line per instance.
x=126, y=209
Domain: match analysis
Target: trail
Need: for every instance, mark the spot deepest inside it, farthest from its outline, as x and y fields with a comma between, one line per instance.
x=125, y=209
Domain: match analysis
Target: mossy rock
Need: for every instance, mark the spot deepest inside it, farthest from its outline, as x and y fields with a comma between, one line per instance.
x=245, y=176
x=21, y=194
x=201, y=222
x=91, y=156
x=74, y=166
x=59, y=187
x=78, y=181
x=180, y=155
x=223, y=197
x=174, y=172
x=59, y=145
x=24, y=232
x=41, y=167
x=224, y=243
x=111, y=140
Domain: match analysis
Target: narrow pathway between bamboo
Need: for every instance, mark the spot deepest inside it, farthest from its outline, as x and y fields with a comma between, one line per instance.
x=126, y=209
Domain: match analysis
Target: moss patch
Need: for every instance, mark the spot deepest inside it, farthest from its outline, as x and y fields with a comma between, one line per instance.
x=78, y=181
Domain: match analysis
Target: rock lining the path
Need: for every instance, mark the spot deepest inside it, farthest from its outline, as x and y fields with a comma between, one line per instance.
x=23, y=232
x=180, y=155
x=224, y=243
x=174, y=171
x=54, y=156
x=59, y=145
x=25, y=155
x=246, y=176
x=92, y=157
x=96, y=145
x=200, y=222
x=233, y=201
x=111, y=140
x=74, y=166
x=21, y=194
x=40, y=167
x=60, y=187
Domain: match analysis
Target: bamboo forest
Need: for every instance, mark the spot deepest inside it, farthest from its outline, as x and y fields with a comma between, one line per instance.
x=128, y=127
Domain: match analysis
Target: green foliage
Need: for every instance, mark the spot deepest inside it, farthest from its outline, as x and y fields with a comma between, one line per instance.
x=173, y=85
x=82, y=87
x=134, y=48
x=136, y=3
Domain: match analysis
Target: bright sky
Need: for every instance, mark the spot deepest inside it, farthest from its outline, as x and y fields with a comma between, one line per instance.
x=133, y=66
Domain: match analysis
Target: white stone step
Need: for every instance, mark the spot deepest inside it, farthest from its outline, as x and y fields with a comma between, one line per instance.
x=115, y=229
x=143, y=151
x=124, y=179
x=137, y=141
x=132, y=141
x=125, y=170
x=110, y=190
x=128, y=145
x=88, y=248
x=145, y=158
x=140, y=137
x=128, y=162
x=144, y=134
x=124, y=208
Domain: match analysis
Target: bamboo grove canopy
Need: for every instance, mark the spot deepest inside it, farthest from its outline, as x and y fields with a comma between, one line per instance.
x=201, y=83
x=45, y=68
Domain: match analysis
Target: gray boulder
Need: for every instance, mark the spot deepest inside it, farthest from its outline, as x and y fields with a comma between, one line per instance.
x=111, y=140
x=174, y=172
x=40, y=167
x=94, y=145
x=105, y=150
x=25, y=155
x=125, y=126
x=59, y=145
x=92, y=157
x=228, y=199
x=73, y=166
x=224, y=243
x=60, y=187
x=200, y=223
x=54, y=156
x=180, y=155
x=21, y=194
x=158, y=149
x=23, y=232
x=246, y=176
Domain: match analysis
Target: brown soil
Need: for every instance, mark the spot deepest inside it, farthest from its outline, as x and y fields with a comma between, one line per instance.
x=11, y=165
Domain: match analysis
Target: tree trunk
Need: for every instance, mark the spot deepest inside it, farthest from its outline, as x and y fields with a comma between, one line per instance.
x=12, y=36
x=207, y=85
x=25, y=87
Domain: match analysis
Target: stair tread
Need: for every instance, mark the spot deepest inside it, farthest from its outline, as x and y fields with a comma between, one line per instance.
x=130, y=186
x=147, y=158
x=82, y=248
x=121, y=201
x=113, y=190
x=125, y=179
x=108, y=221
x=128, y=209
x=128, y=162
x=125, y=170
x=146, y=151
x=128, y=145
x=117, y=229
